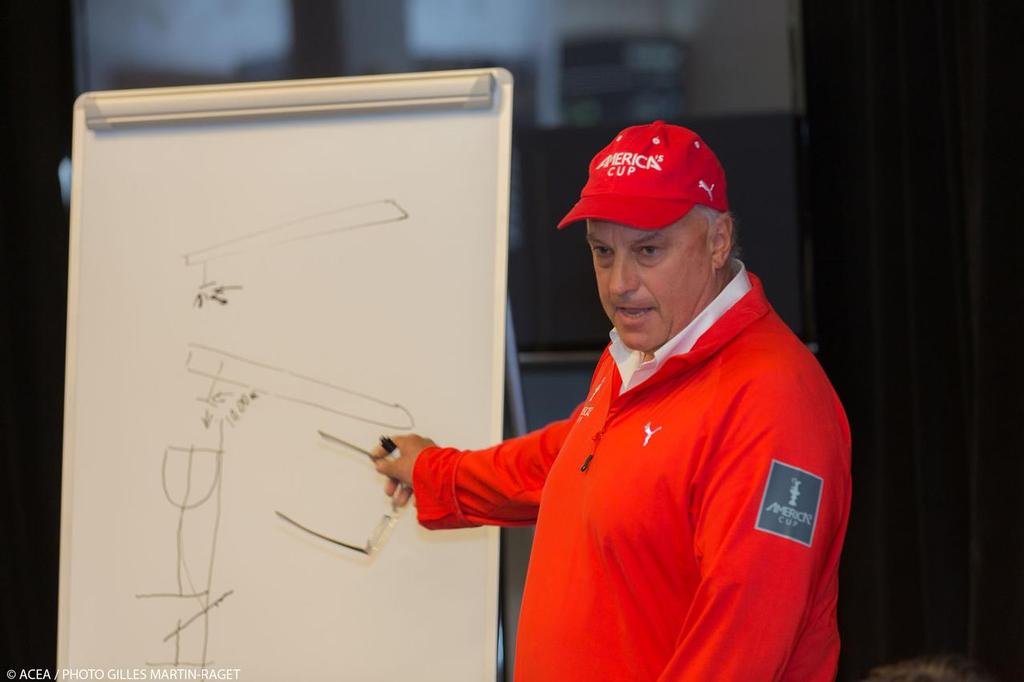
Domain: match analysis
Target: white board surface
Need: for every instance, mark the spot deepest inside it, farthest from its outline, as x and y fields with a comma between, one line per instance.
x=251, y=264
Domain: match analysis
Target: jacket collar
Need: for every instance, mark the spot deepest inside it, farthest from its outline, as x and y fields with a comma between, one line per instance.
x=750, y=308
x=634, y=371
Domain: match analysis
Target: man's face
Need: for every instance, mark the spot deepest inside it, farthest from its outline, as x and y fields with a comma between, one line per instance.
x=652, y=283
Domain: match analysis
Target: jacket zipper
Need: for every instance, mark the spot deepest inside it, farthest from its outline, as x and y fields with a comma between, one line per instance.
x=615, y=405
x=597, y=440
x=613, y=409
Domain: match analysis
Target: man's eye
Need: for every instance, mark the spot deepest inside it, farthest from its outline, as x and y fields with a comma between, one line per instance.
x=648, y=250
x=601, y=250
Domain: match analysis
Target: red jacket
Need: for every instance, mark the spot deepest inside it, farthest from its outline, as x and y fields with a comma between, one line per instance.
x=689, y=529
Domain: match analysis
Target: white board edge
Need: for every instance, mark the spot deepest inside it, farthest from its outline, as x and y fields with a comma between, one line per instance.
x=469, y=89
x=70, y=375
x=503, y=95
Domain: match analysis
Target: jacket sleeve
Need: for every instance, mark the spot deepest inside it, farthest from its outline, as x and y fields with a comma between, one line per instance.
x=500, y=485
x=762, y=589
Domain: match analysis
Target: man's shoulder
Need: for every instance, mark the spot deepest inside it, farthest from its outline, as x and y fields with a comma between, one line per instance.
x=769, y=382
x=768, y=358
x=767, y=340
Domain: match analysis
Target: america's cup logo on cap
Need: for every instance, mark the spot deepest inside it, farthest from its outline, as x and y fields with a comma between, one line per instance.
x=625, y=163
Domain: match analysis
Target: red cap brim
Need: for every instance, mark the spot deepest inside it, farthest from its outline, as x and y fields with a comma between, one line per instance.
x=643, y=213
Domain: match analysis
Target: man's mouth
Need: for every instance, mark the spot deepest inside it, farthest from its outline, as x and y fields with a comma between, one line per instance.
x=633, y=313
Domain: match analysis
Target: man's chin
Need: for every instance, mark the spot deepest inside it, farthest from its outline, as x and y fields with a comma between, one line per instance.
x=637, y=341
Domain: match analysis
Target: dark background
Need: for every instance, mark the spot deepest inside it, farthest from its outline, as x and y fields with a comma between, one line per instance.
x=907, y=166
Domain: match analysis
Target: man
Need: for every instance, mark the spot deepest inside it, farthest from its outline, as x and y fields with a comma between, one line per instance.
x=690, y=513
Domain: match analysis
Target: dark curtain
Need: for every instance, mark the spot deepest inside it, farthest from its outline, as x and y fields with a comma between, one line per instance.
x=913, y=178
x=35, y=130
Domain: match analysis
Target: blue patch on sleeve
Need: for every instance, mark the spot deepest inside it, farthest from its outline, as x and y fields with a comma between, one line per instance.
x=789, y=507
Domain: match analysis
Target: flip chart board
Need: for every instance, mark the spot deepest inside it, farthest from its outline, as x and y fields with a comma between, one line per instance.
x=250, y=265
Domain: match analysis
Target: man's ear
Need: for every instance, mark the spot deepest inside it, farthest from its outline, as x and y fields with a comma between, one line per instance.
x=720, y=240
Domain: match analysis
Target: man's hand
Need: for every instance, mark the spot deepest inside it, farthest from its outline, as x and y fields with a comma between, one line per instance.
x=399, y=471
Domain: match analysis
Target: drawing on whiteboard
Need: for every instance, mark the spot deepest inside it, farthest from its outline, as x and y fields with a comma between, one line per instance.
x=352, y=217
x=191, y=478
x=373, y=544
x=266, y=380
x=383, y=529
x=176, y=632
x=211, y=292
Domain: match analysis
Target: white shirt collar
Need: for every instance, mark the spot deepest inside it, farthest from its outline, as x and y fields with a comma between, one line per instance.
x=634, y=372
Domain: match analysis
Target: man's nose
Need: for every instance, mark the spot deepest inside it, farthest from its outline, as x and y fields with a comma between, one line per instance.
x=623, y=277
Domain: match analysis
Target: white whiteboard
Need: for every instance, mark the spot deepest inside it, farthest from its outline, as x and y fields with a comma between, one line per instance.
x=250, y=264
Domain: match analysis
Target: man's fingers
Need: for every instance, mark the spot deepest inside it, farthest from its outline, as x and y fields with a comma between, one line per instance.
x=404, y=440
x=399, y=470
x=411, y=443
x=395, y=489
x=389, y=467
x=402, y=498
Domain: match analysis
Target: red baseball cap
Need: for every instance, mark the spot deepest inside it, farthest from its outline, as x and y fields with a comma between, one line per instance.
x=649, y=177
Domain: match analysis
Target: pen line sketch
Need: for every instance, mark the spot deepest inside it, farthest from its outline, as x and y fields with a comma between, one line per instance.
x=361, y=550
x=387, y=522
x=188, y=505
x=380, y=534
x=181, y=626
x=352, y=217
x=235, y=385
x=284, y=384
x=209, y=290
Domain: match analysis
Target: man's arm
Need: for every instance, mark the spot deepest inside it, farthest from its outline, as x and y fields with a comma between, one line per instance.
x=769, y=510
x=500, y=485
